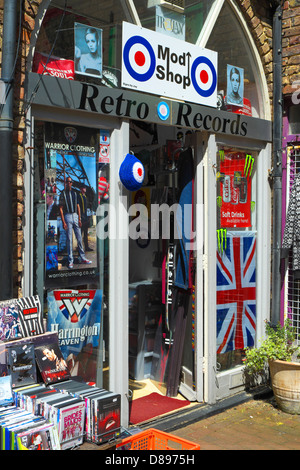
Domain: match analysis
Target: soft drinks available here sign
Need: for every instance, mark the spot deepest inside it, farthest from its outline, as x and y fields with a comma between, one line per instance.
x=236, y=170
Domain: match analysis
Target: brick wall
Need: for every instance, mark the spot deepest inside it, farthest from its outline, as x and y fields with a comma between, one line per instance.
x=259, y=19
x=19, y=139
x=290, y=45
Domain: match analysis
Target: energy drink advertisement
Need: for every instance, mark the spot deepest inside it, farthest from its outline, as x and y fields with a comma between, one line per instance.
x=234, y=177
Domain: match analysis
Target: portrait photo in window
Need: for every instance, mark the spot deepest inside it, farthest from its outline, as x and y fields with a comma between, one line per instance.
x=87, y=50
x=235, y=85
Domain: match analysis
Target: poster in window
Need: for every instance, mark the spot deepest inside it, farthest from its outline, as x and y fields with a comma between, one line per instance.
x=236, y=292
x=235, y=178
x=76, y=317
x=235, y=85
x=71, y=203
x=53, y=66
x=88, y=50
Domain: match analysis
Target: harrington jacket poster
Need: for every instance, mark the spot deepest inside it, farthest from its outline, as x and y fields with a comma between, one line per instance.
x=76, y=317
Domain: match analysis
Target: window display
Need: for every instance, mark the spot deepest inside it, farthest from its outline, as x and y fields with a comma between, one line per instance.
x=236, y=255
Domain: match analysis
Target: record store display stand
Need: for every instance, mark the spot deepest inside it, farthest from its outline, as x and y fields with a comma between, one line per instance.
x=42, y=407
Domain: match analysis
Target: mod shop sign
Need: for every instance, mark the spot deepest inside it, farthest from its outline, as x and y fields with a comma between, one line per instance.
x=154, y=63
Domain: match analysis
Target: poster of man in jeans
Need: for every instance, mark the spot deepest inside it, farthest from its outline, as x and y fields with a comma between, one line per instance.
x=73, y=155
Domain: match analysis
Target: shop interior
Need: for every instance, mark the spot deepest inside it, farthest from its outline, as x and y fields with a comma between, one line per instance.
x=161, y=293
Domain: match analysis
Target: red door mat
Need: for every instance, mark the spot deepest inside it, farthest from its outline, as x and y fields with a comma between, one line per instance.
x=153, y=405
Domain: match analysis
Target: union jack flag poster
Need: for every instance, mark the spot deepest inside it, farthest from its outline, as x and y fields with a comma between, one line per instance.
x=236, y=292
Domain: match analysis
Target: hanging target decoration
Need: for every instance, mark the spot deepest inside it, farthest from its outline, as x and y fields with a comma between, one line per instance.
x=139, y=58
x=131, y=172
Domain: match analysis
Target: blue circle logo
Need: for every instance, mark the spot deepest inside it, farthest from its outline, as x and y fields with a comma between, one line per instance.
x=163, y=110
x=204, y=76
x=139, y=58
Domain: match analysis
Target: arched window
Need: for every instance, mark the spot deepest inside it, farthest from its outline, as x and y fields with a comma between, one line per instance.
x=217, y=25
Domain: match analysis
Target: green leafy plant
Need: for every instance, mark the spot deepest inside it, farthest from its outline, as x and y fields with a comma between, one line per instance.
x=278, y=344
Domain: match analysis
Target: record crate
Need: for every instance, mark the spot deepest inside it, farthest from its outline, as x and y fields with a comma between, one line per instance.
x=152, y=439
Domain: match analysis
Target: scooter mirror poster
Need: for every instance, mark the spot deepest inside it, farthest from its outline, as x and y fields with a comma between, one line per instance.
x=234, y=196
x=76, y=317
x=71, y=203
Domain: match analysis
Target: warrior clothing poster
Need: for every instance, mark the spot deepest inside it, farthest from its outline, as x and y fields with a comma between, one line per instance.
x=76, y=316
x=71, y=204
x=234, y=200
x=236, y=292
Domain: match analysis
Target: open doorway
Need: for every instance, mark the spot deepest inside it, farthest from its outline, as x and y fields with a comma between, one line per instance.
x=161, y=264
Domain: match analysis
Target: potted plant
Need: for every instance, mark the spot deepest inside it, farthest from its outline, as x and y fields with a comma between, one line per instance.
x=279, y=354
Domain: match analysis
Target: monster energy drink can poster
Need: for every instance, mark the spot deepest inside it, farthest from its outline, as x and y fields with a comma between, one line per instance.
x=70, y=177
x=234, y=192
x=76, y=316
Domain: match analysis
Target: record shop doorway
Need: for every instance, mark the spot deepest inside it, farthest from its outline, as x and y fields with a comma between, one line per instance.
x=162, y=264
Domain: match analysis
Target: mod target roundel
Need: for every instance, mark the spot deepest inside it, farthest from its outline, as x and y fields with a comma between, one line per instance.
x=139, y=58
x=204, y=76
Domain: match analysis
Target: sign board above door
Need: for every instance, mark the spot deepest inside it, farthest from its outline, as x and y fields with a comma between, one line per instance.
x=155, y=63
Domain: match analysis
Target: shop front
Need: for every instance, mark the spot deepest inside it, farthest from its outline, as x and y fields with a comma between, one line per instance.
x=161, y=275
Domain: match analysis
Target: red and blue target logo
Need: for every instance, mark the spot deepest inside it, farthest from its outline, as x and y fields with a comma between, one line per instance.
x=204, y=76
x=161, y=70
x=139, y=58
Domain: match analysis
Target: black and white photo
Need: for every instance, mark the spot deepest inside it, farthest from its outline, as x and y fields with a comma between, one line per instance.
x=88, y=50
x=235, y=85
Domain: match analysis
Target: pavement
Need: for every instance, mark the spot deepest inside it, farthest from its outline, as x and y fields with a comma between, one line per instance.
x=253, y=425
x=242, y=422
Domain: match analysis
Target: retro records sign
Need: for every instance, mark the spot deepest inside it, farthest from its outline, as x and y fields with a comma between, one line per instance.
x=157, y=64
x=76, y=317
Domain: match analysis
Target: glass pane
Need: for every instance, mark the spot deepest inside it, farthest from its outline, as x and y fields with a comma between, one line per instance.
x=228, y=40
x=161, y=258
x=183, y=19
x=71, y=39
x=236, y=255
x=56, y=41
x=70, y=248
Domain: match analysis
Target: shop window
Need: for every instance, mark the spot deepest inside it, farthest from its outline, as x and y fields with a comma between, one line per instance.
x=236, y=255
x=161, y=258
x=228, y=39
x=294, y=119
x=70, y=245
x=181, y=19
x=292, y=283
x=82, y=41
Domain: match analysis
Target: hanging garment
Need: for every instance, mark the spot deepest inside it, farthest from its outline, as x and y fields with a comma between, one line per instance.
x=291, y=236
x=184, y=219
